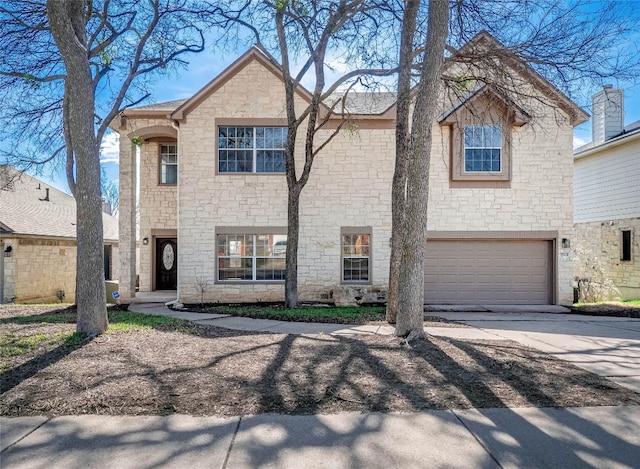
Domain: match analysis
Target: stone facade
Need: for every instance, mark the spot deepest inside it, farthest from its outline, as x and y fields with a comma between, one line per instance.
x=41, y=270
x=600, y=244
x=350, y=186
x=38, y=270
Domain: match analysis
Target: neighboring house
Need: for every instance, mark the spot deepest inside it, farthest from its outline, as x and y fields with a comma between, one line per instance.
x=213, y=196
x=38, y=240
x=607, y=196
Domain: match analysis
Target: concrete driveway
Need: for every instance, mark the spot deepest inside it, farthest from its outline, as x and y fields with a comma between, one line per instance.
x=609, y=347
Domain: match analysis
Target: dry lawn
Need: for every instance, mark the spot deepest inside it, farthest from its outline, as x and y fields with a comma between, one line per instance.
x=204, y=370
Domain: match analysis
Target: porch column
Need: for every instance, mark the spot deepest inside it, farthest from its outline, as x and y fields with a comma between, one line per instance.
x=127, y=220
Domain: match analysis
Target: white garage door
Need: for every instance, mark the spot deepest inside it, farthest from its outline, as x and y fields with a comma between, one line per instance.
x=488, y=272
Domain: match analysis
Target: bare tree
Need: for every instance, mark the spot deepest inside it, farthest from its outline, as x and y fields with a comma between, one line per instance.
x=84, y=61
x=303, y=32
x=410, y=305
x=568, y=42
x=403, y=135
x=110, y=193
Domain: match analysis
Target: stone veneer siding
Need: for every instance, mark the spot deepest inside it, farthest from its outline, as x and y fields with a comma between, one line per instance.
x=38, y=269
x=350, y=185
x=603, y=240
x=160, y=209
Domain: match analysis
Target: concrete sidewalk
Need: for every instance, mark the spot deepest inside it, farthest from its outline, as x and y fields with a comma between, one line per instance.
x=602, y=437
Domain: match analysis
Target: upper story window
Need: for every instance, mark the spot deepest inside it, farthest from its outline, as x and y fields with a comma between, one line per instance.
x=481, y=132
x=251, y=149
x=168, y=164
x=482, y=148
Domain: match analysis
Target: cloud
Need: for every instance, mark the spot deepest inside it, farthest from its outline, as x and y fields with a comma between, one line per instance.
x=110, y=148
x=578, y=142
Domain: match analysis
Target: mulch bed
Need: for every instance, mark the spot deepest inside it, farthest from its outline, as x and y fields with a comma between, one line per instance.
x=205, y=370
x=608, y=309
x=256, y=311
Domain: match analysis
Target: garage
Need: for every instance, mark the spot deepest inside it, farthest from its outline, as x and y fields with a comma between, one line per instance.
x=488, y=272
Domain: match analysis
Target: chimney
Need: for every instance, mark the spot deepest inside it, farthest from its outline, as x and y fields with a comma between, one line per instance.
x=106, y=208
x=608, y=114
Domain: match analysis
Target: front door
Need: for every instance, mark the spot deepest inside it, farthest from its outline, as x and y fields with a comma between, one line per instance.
x=166, y=264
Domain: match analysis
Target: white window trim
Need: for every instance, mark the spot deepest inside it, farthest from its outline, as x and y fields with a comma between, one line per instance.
x=465, y=148
x=356, y=230
x=247, y=231
x=254, y=149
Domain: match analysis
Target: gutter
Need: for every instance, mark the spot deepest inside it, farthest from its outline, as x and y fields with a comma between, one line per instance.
x=615, y=142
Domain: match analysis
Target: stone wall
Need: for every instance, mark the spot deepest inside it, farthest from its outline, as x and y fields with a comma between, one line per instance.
x=540, y=196
x=599, y=244
x=159, y=206
x=350, y=186
x=38, y=269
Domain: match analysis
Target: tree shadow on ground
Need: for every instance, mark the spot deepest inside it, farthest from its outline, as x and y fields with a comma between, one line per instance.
x=14, y=376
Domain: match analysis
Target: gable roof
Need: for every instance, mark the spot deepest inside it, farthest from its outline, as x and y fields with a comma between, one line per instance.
x=253, y=54
x=630, y=133
x=361, y=103
x=367, y=105
x=25, y=210
x=520, y=116
x=485, y=41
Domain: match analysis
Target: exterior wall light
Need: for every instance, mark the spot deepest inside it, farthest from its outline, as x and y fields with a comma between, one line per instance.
x=7, y=251
x=566, y=244
x=145, y=241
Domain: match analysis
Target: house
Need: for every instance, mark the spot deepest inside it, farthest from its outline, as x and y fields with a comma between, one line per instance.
x=38, y=241
x=607, y=197
x=213, y=196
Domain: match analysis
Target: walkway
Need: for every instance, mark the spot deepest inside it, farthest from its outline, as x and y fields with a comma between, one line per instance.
x=602, y=437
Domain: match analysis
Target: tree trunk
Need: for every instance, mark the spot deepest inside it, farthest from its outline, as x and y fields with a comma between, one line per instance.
x=398, y=188
x=411, y=292
x=293, y=231
x=67, y=23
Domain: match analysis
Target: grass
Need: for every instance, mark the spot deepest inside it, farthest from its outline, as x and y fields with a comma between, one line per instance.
x=118, y=320
x=15, y=344
x=614, y=302
x=12, y=345
x=334, y=314
x=128, y=321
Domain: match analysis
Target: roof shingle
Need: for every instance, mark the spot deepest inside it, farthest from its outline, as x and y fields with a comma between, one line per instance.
x=24, y=209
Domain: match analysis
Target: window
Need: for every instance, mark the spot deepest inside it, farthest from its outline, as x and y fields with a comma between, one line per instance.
x=251, y=149
x=250, y=257
x=356, y=255
x=168, y=164
x=482, y=145
x=481, y=132
x=626, y=245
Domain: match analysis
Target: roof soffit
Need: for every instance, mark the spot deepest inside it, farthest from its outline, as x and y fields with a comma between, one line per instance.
x=488, y=95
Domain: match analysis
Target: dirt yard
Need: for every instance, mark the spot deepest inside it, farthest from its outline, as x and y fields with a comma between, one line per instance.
x=204, y=370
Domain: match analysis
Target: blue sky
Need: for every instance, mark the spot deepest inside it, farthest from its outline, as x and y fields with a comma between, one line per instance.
x=206, y=66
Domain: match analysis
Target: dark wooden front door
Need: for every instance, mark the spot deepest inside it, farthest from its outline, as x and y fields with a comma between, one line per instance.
x=166, y=264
